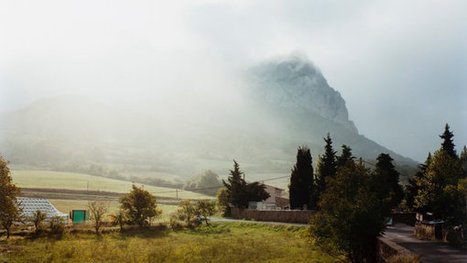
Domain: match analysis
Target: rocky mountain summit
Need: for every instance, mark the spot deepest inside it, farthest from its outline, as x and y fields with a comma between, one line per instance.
x=296, y=84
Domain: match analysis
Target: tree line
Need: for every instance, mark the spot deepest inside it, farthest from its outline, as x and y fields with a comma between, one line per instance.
x=354, y=202
x=440, y=184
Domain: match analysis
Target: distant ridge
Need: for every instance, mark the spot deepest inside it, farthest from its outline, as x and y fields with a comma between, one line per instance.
x=291, y=104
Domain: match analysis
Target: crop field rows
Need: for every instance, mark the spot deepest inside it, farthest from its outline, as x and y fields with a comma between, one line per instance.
x=91, y=185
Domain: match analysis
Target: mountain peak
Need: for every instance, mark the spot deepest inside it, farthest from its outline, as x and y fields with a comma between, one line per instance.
x=295, y=83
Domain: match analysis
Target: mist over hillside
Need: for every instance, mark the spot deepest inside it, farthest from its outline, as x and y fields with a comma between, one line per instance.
x=284, y=103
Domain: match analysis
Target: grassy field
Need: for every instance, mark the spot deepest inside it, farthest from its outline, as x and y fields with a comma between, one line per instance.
x=222, y=242
x=64, y=180
x=65, y=206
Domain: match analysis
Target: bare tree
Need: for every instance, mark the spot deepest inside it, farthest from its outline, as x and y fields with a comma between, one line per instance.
x=38, y=218
x=97, y=210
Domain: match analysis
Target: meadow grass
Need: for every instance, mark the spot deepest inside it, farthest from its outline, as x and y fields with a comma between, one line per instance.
x=220, y=242
x=77, y=181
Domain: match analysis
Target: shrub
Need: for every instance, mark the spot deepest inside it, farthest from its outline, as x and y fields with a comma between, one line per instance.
x=38, y=218
x=57, y=225
x=175, y=224
x=205, y=209
x=186, y=212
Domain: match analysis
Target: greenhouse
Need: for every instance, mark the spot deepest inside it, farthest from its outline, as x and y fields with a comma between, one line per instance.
x=30, y=205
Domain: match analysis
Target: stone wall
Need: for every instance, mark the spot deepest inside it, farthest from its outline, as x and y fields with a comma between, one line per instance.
x=428, y=231
x=387, y=249
x=286, y=216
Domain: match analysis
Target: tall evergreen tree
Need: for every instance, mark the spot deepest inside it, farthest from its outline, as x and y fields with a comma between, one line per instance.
x=326, y=168
x=236, y=187
x=345, y=156
x=239, y=192
x=447, y=144
x=301, y=181
x=463, y=160
x=438, y=191
x=463, y=155
x=388, y=180
x=411, y=189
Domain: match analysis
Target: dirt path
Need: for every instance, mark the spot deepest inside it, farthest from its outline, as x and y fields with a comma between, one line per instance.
x=431, y=251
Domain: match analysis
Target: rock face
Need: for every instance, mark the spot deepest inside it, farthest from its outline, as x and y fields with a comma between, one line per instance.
x=296, y=84
x=307, y=108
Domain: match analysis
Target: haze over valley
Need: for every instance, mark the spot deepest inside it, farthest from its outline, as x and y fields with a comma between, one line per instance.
x=173, y=89
x=278, y=105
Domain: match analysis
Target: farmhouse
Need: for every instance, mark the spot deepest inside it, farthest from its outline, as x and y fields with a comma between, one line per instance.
x=274, y=202
x=30, y=205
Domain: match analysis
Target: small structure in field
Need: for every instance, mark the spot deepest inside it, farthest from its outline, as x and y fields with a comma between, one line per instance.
x=30, y=205
x=79, y=216
x=274, y=202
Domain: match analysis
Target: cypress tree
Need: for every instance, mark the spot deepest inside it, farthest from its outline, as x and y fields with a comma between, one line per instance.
x=301, y=180
x=463, y=155
x=447, y=144
x=236, y=187
x=463, y=160
x=388, y=180
x=345, y=156
x=326, y=167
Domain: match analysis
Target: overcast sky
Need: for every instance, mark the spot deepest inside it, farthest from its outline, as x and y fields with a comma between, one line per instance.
x=401, y=66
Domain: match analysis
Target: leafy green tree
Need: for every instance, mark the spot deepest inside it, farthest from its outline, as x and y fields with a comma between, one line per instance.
x=239, y=192
x=206, y=183
x=352, y=215
x=9, y=211
x=326, y=167
x=388, y=180
x=222, y=202
x=205, y=209
x=448, y=144
x=437, y=188
x=140, y=206
x=256, y=192
x=301, y=181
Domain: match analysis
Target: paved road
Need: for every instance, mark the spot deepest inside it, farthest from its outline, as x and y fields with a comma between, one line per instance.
x=431, y=251
x=221, y=219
